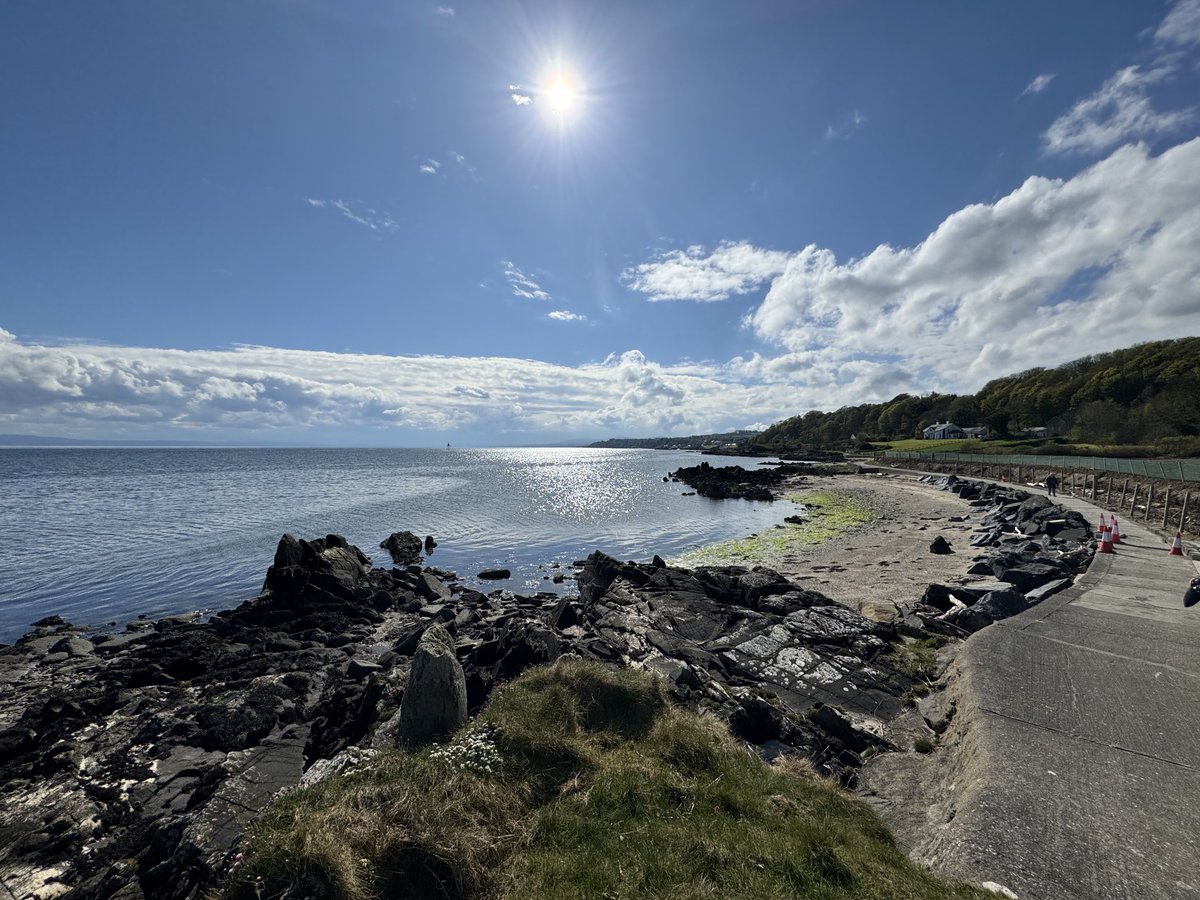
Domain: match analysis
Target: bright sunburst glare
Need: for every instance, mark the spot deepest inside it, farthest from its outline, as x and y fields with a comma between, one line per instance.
x=562, y=96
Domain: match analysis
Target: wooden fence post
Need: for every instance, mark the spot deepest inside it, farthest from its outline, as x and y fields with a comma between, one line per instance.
x=1183, y=513
x=1133, y=500
x=1124, y=486
x=1166, y=507
x=1108, y=491
x=1149, y=502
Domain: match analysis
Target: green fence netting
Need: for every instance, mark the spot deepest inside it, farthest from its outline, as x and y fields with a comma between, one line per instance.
x=1168, y=469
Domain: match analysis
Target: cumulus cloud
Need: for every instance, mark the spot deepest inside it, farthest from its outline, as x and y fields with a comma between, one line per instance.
x=429, y=167
x=565, y=315
x=522, y=285
x=696, y=274
x=1039, y=84
x=521, y=99
x=1055, y=270
x=102, y=389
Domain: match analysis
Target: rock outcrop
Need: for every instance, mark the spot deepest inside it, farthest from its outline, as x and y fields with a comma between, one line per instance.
x=435, y=701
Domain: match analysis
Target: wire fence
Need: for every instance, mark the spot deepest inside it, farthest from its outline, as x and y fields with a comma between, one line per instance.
x=1166, y=469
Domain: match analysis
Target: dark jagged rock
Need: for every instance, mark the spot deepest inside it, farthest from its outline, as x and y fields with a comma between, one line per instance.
x=724, y=482
x=940, y=545
x=495, y=574
x=405, y=547
x=1035, y=543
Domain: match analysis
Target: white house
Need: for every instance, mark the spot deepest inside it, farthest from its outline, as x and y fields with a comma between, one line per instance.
x=943, y=431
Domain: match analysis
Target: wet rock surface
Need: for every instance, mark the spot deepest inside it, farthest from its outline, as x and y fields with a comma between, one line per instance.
x=726, y=482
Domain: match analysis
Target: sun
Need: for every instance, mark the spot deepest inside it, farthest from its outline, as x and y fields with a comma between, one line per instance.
x=561, y=96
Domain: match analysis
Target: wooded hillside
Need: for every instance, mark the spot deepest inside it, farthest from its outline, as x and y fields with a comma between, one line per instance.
x=1146, y=394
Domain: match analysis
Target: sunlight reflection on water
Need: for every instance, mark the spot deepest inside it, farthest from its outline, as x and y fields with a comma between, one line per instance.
x=103, y=535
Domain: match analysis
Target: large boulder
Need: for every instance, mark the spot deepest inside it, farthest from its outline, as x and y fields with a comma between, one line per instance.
x=435, y=702
x=404, y=547
x=328, y=564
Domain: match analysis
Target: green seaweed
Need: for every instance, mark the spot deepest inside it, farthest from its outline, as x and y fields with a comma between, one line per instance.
x=828, y=514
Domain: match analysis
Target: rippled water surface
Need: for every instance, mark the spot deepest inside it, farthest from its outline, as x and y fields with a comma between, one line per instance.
x=103, y=535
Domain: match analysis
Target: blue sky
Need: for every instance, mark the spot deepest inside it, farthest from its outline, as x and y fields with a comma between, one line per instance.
x=498, y=222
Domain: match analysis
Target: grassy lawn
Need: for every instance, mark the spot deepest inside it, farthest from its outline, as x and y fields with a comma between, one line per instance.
x=580, y=782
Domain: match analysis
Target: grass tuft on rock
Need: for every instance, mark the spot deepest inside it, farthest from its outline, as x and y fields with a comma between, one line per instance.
x=601, y=789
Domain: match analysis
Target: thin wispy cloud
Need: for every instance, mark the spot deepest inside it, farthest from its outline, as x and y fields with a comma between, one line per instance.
x=521, y=284
x=730, y=269
x=444, y=11
x=429, y=167
x=1122, y=109
x=565, y=315
x=367, y=216
x=1181, y=26
x=521, y=99
x=1039, y=84
x=846, y=126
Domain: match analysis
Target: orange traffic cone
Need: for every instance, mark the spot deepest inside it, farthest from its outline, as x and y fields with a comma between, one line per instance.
x=1103, y=523
x=1176, y=546
x=1116, y=531
x=1105, y=540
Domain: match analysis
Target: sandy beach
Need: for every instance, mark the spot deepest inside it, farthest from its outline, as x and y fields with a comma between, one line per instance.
x=863, y=538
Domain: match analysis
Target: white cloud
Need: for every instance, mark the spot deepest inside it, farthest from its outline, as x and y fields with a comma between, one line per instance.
x=1181, y=27
x=695, y=274
x=361, y=215
x=429, y=167
x=1039, y=84
x=98, y=390
x=521, y=99
x=522, y=285
x=565, y=315
x=1055, y=270
x=846, y=126
x=1121, y=110
x=444, y=11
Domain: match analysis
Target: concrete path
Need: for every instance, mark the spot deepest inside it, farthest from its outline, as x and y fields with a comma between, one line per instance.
x=1083, y=724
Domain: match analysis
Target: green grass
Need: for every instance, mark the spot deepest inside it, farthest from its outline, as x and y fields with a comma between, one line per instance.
x=917, y=658
x=830, y=514
x=602, y=790
x=958, y=445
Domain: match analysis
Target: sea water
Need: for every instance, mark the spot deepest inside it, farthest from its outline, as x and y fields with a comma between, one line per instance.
x=101, y=536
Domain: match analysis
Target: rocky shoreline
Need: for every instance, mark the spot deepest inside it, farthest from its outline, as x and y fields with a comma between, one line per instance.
x=131, y=763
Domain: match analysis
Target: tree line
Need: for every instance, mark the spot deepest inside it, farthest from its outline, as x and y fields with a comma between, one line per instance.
x=1148, y=394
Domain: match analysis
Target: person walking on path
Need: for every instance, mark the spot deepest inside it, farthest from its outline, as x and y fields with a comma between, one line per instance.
x=1051, y=484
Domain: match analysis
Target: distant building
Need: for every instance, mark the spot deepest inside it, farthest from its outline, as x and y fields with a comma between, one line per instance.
x=943, y=431
x=981, y=433
x=1056, y=427
x=1037, y=431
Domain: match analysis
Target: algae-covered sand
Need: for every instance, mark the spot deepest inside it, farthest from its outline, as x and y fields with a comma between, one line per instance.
x=826, y=513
